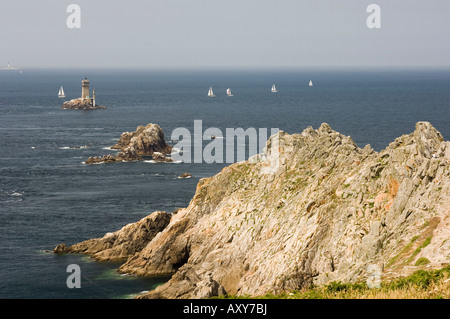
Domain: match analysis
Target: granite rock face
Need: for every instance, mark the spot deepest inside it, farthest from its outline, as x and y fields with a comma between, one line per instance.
x=313, y=208
x=118, y=246
x=145, y=141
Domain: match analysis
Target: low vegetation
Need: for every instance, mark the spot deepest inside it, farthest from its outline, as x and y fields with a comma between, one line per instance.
x=422, y=284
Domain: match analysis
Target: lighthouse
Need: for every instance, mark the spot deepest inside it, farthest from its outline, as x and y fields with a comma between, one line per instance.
x=86, y=101
x=85, y=89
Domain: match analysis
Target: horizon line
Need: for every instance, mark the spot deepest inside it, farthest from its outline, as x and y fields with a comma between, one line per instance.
x=244, y=68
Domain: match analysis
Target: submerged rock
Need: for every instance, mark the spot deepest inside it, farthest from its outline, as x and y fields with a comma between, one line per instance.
x=127, y=155
x=313, y=208
x=61, y=249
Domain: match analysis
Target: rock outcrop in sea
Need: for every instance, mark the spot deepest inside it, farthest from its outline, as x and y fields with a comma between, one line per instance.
x=315, y=209
x=145, y=141
x=81, y=104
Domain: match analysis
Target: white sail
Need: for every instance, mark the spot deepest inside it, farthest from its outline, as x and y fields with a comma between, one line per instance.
x=210, y=92
x=61, y=92
x=274, y=89
x=310, y=83
x=229, y=92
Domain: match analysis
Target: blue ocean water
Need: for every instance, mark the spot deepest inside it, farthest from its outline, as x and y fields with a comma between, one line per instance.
x=48, y=196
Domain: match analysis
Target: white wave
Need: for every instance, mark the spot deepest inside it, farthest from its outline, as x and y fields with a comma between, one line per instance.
x=74, y=147
x=108, y=148
x=16, y=194
x=94, y=163
x=153, y=161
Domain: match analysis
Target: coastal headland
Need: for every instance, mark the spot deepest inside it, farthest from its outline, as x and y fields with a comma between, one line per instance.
x=330, y=211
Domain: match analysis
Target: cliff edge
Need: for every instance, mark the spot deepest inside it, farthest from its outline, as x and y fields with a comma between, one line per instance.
x=313, y=209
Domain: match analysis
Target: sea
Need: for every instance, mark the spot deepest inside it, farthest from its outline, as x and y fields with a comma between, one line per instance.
x=49, y=196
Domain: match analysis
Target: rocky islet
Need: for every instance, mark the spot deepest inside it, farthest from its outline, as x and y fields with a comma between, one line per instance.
x=133, y=146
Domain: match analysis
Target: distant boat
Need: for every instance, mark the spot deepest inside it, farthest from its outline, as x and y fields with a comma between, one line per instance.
x=274, y=89
x=210, y=92
x=61, y=92
x=310, y=83
x=229, y=92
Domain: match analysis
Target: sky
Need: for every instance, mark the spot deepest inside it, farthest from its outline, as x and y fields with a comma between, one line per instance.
x=206, y=34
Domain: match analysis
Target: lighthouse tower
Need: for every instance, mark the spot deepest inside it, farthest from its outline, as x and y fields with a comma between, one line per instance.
x=85, y=89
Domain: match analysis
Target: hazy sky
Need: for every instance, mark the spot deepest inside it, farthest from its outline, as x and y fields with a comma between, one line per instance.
x=227, y=33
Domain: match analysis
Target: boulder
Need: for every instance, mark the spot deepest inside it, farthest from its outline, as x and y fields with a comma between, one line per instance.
x=145, y=141
x=160, y=157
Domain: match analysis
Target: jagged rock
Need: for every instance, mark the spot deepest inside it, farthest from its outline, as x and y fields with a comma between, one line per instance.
x=312, y=209
x=81, y=104
x=122, y=244
x=127, y=155
x=60, y=249
x=185, y=175
x=160, y=157
x=145, y=141
x=206, y=288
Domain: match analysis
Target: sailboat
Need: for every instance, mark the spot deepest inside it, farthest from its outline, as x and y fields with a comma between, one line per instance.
x=61, y=92
x=310, y=83
x=210, y=92
x=229, y=92
x=274, y=89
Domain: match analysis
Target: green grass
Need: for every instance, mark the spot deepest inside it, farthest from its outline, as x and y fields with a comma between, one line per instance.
x=426, y=242
x=419, y=285
x=422, y=261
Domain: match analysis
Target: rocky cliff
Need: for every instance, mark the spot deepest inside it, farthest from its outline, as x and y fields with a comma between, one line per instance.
x=312, y=209
x=144, y=141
